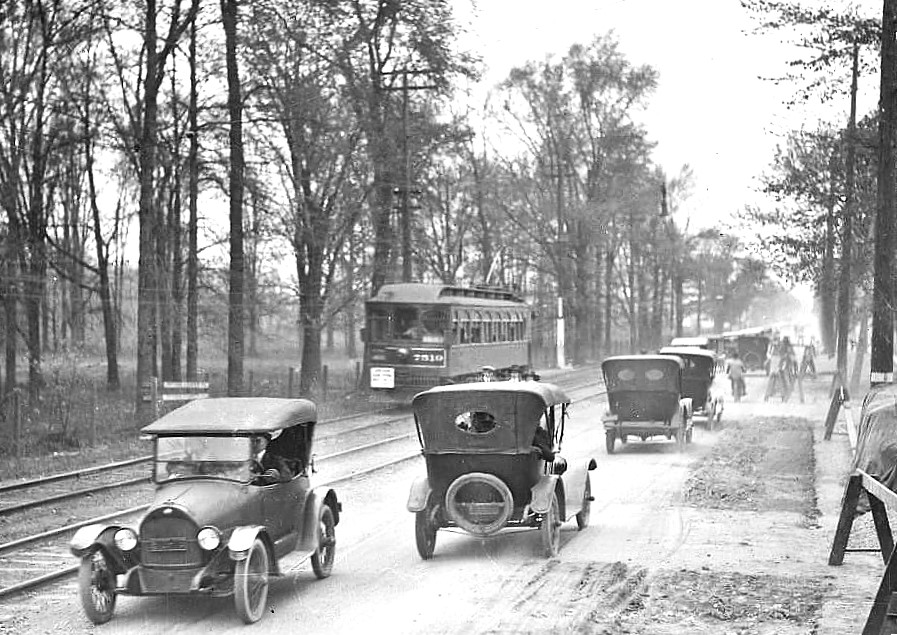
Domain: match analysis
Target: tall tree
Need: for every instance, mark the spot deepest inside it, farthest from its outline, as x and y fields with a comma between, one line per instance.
x=235, y=309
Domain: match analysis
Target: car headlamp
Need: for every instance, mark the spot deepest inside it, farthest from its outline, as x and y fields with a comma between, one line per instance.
x=125, y=539
x=208, y=538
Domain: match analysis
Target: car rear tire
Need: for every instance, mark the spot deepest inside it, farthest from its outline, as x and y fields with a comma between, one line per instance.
x=582, y=518
x=251, y=583
x=610, y=437
x=322, y=558
x=424, y=534
x=96, y=587
x=551, y=528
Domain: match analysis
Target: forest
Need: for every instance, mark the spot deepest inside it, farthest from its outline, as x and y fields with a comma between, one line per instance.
x=179, y=177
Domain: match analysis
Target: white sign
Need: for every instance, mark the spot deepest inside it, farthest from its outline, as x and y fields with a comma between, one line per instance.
x=383, y=377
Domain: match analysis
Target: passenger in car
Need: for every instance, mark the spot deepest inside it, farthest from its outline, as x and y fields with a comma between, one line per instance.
x=544, y=443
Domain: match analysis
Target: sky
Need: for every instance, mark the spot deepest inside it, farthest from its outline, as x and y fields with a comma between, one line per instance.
x=712, y=109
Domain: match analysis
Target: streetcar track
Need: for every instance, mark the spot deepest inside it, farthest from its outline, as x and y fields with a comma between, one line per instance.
x=46, y=557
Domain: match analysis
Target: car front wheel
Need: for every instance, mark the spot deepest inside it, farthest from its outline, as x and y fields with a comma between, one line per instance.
x=322, y=558
x=96, y=586
x=251, y=583
x=551, y=528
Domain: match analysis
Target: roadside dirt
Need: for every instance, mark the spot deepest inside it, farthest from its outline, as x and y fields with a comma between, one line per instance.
x=758, y=512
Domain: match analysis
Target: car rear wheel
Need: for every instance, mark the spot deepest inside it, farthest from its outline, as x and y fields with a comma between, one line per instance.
x=582, y=518
x=610, y=437
x=322, y=558
x=551, y=528
x=424, y=534
x=251, y=583
x=96, y=586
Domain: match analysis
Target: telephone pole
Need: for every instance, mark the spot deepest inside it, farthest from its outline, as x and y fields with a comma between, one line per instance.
x=405, y=189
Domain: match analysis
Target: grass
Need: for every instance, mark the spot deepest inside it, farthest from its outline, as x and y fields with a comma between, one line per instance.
x=78, y=422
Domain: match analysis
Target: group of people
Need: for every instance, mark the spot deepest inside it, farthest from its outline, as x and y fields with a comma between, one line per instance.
x=781, y=364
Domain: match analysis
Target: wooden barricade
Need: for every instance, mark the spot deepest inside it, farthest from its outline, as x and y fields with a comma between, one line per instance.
x=840, y=396
x=158, y=392
x=882, y=617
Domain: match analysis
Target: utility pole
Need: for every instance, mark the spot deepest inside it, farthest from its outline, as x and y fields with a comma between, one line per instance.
x=883, y=287
x=405, y=190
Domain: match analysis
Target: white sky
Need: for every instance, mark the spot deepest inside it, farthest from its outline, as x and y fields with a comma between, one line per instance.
x=711, y=110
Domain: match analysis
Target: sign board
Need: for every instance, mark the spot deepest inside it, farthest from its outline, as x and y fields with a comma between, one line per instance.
x=383, y=377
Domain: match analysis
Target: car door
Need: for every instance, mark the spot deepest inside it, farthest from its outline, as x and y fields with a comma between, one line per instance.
x=282, y=506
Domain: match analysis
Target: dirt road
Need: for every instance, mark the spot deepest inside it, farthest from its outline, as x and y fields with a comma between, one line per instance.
x=730, y=537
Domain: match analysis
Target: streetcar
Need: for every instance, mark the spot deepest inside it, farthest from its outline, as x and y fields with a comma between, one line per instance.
x=418, y=335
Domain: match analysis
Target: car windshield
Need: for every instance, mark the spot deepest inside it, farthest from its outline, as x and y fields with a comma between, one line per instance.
x=202, y=456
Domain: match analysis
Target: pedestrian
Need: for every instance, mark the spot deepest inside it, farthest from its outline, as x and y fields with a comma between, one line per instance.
x=735, y=371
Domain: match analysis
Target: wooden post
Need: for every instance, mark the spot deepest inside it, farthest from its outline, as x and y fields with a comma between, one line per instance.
x=838, y=397
x=357, y=375
x=17, y=422
x=882, y=527
x=155, y=397
x=93, y=414
x=324, y=380
x=845, y=521
x=290, y=376
x=251, y=380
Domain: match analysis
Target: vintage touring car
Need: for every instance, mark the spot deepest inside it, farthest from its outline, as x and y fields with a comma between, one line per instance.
x=646, y=399
x=698, y=383
x=233, y=505
x=492, y=457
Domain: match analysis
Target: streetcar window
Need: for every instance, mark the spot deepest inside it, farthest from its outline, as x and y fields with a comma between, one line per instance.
x=379, y=320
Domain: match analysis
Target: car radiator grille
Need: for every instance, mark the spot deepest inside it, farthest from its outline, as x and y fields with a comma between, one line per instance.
x=169, y=541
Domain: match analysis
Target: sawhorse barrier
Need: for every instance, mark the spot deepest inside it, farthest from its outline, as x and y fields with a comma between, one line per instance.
x=882, y=617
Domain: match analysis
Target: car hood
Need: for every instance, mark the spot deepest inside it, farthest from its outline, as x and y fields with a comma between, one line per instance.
x=208, y=502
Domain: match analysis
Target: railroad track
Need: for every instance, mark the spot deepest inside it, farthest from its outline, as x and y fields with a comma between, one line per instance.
x=30, y=561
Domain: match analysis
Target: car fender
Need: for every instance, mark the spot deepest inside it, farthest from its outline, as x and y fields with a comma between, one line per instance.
x=242, y=538
x=317, y=499
x=92, y=537
x=419, y=494
x=541, y=494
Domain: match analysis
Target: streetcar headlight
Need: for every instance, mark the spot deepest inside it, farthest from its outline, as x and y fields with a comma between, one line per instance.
x=125, y=539
x=208, y=538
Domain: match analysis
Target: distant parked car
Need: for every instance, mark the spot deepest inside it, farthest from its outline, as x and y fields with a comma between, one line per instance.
x=492, y=451
x=233, y=505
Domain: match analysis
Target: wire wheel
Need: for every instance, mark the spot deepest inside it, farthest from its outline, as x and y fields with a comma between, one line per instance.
x=322, y=558
x=96, y=586
x=251, y=583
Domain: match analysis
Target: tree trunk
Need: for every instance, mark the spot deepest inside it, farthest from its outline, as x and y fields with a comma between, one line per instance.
x=235, y=181
x=147, y=276
x=102, y=253
x=193, y=194
x=827, y=287
x=844, y=282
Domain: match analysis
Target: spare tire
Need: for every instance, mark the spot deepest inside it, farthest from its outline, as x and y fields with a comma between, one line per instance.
x=479, y=503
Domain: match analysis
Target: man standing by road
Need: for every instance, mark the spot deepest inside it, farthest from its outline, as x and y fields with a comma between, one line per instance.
x=735, y=371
